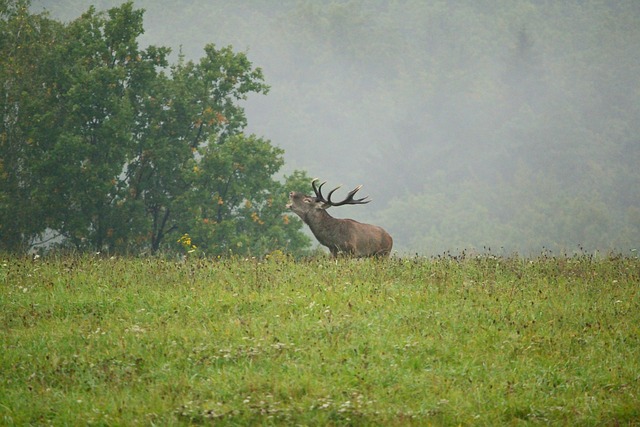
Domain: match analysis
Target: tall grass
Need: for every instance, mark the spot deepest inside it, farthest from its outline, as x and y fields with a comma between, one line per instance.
x=469, y=340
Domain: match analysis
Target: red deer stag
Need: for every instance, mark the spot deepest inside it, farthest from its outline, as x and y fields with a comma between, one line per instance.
x=344, y=236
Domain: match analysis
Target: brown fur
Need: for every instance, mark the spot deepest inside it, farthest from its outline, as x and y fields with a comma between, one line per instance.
x=341, y=236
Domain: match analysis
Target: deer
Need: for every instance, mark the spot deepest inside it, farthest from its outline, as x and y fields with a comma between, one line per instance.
x=342, y=236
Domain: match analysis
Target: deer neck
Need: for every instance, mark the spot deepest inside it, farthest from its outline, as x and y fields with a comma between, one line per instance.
x=316, y=218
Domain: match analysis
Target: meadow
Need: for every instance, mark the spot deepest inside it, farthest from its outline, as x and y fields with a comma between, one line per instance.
x=467, y=340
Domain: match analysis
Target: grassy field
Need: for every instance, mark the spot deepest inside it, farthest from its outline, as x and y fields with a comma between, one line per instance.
x=448, y=341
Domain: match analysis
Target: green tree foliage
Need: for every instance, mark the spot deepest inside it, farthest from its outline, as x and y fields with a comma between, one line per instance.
x=27, y=93
x=237, y=207
x=98, y=80
x=192, y=110
x=106, y=147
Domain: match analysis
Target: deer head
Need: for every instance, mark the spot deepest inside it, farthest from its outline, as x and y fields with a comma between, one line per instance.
x=341, y=236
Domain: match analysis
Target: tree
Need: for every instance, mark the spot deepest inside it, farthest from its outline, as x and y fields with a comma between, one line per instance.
x=195, y=108
x=237, y=207
x=68, y=111
x=27, y=97
x=105, y=146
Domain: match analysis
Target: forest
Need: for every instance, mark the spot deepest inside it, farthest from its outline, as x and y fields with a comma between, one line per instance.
x=508, y=126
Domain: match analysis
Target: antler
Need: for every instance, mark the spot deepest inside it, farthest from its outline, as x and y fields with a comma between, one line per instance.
x=349, y=200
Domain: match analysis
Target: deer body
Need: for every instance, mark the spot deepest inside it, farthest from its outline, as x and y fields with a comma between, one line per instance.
x=344, y=236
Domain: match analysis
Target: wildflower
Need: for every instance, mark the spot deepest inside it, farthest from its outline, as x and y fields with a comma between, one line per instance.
x=185, y=241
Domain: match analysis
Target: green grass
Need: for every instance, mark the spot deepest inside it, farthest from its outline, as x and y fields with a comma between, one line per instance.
x=472, y=341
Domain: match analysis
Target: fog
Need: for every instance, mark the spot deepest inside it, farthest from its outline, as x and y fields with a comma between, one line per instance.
x=510, y=125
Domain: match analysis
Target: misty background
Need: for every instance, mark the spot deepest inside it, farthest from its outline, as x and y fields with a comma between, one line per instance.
x=509, y=125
